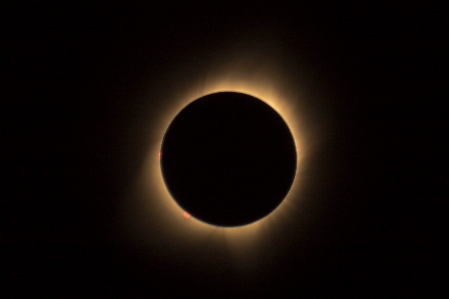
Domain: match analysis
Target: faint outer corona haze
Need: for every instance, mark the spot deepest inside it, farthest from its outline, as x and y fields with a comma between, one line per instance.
x=161, y=219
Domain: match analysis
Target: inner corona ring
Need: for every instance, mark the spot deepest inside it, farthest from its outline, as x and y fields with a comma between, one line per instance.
x=228, y=159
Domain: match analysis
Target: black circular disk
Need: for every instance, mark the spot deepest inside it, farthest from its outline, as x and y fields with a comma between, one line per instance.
x=228, y=159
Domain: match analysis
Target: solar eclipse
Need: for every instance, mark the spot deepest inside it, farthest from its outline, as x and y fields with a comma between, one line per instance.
x=154, y=215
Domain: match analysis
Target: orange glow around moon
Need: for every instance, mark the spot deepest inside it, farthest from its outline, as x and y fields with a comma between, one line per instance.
x=158, y=219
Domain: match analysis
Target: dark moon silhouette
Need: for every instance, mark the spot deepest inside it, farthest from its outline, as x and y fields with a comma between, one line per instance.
x=228, y=159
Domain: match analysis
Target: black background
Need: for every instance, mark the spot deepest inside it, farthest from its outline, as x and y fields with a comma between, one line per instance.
x=73, y=79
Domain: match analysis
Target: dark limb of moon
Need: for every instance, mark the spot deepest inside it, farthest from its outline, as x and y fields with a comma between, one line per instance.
x=228, y=159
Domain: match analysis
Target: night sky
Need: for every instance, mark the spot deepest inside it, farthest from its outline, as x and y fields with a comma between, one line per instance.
x=83, y=86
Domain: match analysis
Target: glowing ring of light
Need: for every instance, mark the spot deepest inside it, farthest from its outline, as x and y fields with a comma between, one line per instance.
x=266, y=84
